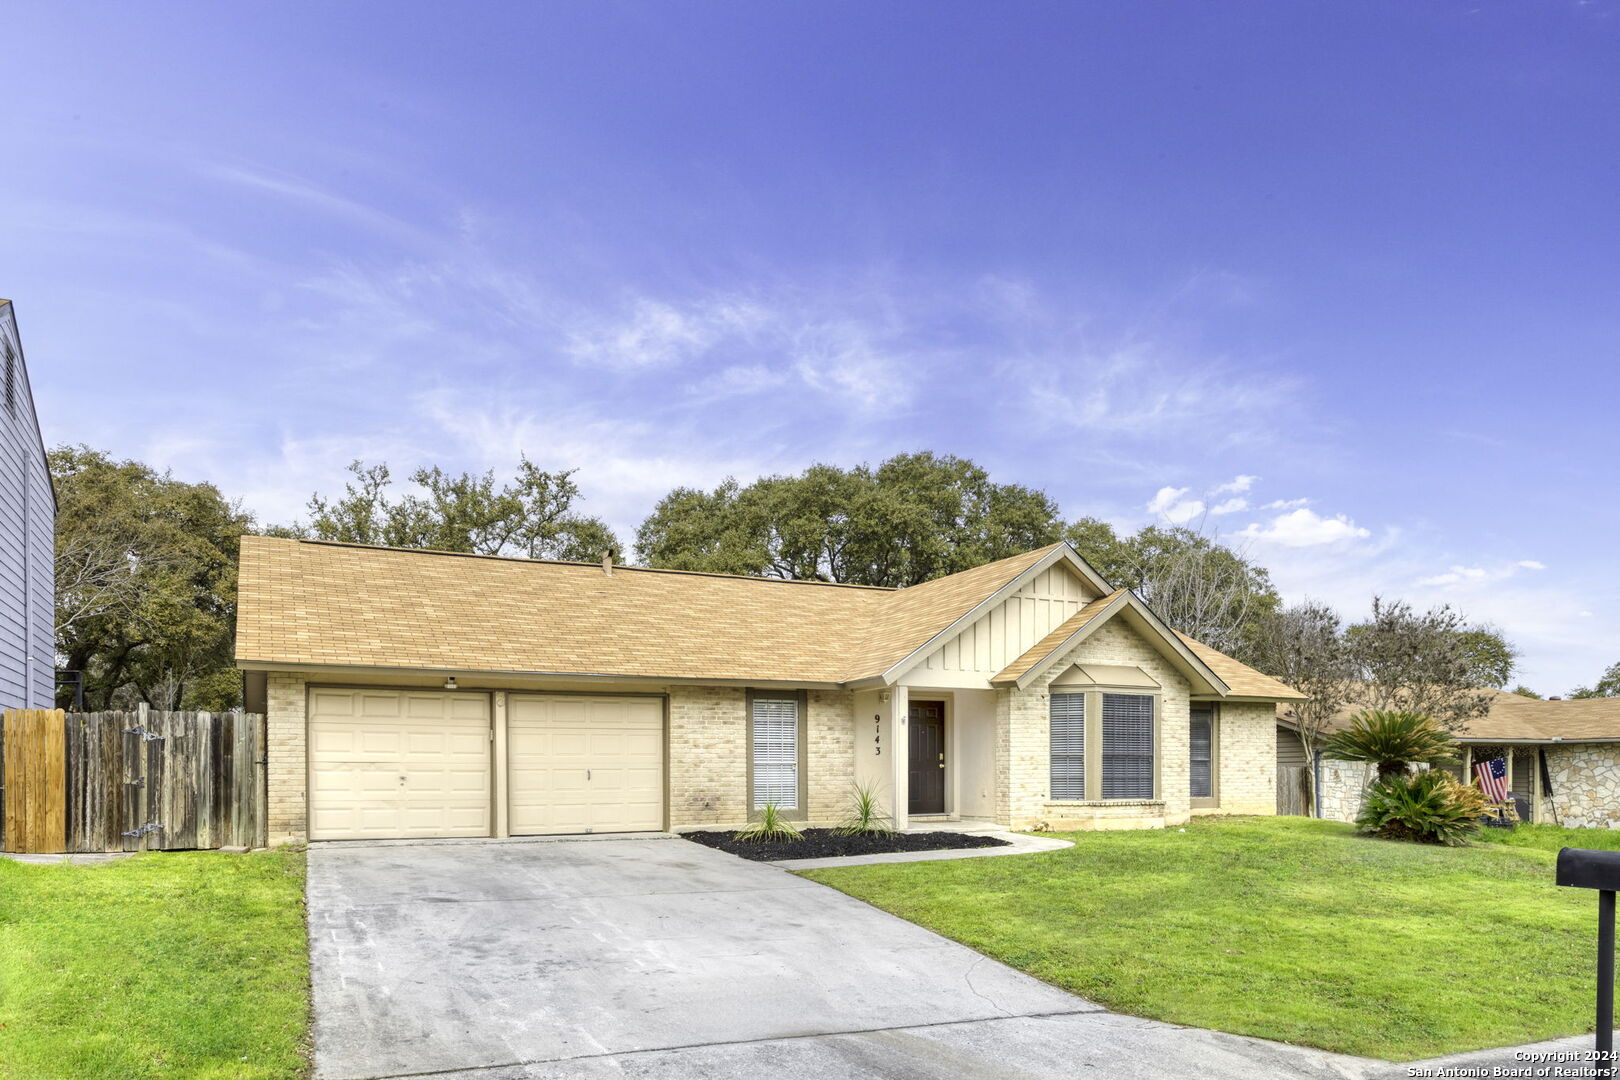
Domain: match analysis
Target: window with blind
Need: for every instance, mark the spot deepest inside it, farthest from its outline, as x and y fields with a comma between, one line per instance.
x=1127, y=746
x=1068, y=724
x=776, y=752
x=1201, y=759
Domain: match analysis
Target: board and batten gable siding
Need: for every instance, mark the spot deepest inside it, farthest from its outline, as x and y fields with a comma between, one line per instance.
x=27, y=538
x=1005, y=632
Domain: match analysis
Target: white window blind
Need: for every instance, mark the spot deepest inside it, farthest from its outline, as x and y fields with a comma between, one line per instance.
x=776, y=752
x=1068, y=723
x=1127, y=746
x=1200, y=740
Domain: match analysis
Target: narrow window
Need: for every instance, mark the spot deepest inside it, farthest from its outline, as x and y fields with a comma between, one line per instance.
x=1201, y=760
x=11, y=372
x=1068, y=721
x=1127, y=746
x=776, y=752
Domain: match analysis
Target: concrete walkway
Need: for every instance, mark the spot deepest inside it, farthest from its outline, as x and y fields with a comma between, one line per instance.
x=499, y=960
x=1017, y=844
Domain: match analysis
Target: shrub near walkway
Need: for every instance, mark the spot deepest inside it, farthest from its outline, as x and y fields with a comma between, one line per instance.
x=1282, y=928
x=185, y=964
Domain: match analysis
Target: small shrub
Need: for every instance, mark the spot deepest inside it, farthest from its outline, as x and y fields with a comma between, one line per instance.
x=865, y=815
x=1427, y=807
x=771, y=828
x=1392, y=740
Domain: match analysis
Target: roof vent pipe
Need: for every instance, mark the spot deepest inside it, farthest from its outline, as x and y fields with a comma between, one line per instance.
x=607, y=562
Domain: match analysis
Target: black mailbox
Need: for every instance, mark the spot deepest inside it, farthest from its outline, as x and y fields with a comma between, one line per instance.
x=1598, y=870
x=1585, y=869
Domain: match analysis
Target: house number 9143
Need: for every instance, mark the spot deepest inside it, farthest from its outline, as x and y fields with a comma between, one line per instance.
x=877, y=734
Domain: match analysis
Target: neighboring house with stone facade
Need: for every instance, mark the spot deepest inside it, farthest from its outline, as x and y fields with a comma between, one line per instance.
x=425, y=694
x=1563, y=759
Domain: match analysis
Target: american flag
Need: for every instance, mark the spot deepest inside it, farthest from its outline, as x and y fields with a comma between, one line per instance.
x=1493, y=779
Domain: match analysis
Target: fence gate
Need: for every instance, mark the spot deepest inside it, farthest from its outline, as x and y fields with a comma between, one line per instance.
x=34, y=769
x=1293, y=790
x=134, y=781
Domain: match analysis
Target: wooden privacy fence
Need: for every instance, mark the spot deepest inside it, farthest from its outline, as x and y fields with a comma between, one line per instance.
x=131, y=781
x=1293, y=790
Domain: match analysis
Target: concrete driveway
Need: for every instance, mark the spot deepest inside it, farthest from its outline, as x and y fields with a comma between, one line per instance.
x=499, y=960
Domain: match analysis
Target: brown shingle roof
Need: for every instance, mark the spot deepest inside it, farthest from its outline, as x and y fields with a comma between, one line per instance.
x=1243, y=680
x=317, y=603
x=1514, y=717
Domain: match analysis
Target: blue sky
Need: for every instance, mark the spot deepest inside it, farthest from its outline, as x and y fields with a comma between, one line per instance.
x=1338, y=280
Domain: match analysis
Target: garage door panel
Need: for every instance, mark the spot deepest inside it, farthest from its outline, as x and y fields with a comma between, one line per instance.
x=582, y=764
x=386, y=764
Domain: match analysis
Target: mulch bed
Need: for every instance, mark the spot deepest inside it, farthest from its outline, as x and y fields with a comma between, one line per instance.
x=822, y=843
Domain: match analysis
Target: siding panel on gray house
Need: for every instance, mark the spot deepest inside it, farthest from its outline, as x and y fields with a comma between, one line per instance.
x=27, y=537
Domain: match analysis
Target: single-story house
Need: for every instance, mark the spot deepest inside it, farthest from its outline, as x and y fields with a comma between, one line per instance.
x=429, y=694
x=1562, y=757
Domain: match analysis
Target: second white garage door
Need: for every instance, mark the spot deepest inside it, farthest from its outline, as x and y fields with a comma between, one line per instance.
x=585, y=764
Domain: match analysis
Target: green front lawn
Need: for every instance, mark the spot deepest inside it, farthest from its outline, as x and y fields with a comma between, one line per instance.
x=1282, y=928
x=185, y=964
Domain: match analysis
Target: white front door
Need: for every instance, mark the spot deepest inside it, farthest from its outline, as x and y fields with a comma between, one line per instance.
x=386, y=764
x=583, y=763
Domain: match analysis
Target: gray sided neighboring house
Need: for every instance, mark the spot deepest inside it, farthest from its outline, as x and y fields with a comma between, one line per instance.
x=27, y=538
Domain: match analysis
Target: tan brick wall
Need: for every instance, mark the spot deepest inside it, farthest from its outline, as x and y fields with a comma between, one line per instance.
x=1023, y=734
x=832, y=754
x=708, y=756
x=285, y=728
x=1247, y=774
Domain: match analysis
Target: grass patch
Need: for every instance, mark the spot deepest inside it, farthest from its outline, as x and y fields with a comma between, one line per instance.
x=1552, y=837
x=1282, y=928
x=183, y=964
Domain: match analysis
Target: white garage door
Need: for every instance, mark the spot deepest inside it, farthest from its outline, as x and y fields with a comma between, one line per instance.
x=585, y=764
x=398, y=763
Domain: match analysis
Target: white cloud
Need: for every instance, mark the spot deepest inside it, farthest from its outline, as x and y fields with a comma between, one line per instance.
x=1286, y=504
x=1170, y=504
x=1305, y=528
x=1230, y=506
x=658, y=334
x=844, y=360
x=1469, y=575
x=1141, y=391
x=1456, y=576
x=1236, y=486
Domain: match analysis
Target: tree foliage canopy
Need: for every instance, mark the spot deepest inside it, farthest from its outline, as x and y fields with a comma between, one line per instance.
x=1431, y=662
x=533, y=516
x=145, y=583
x=1607, y=686
x=913, y=518
x=1198, y=585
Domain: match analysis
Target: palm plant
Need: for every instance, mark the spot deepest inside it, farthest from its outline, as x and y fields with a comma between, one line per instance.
x=1392, y=740
x=865, y=815
x=1429, y=807
x=772, y=827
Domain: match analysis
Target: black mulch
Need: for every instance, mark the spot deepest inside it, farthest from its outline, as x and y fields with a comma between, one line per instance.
x=821, y=843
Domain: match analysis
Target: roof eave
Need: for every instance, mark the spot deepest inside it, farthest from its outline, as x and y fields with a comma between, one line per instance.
x=384, y=670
